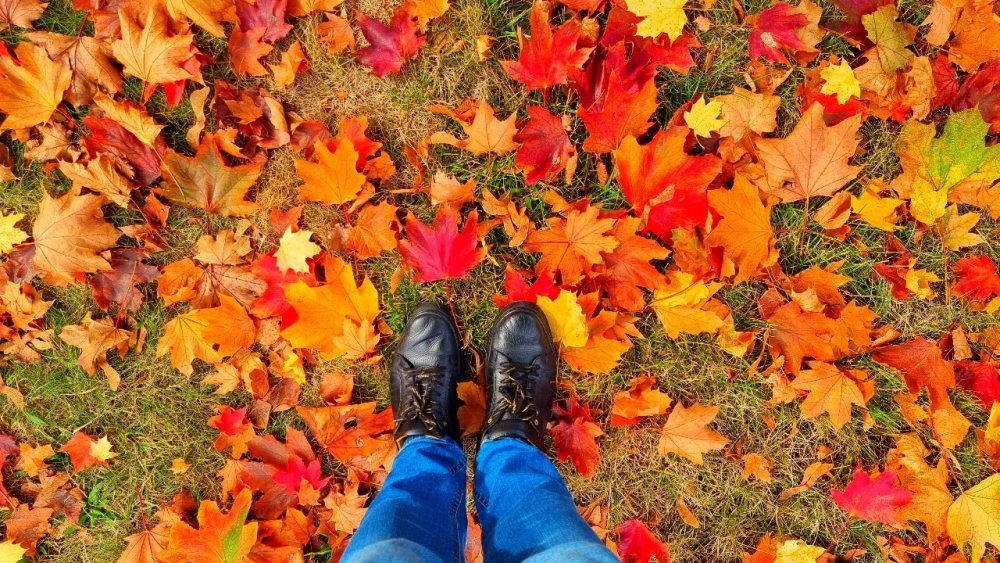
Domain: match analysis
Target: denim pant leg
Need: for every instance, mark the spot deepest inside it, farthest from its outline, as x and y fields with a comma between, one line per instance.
x=419, y=515
x=526, y=512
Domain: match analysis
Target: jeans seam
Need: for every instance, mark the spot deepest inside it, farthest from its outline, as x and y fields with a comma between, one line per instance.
x=457, y=550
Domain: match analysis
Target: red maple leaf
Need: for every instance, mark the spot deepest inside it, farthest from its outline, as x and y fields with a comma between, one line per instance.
x=441, y=251
x=774, y=29
x=981, y=378
x=833, y=111
x=977, y=278
x=646, y=173
x=546, y=58
x=636, y=544
x=922, y=365
x=982, y=89
x=518, y=289
x=574, y=436
x=272, y=302
x=875, y=500
x=392, y=45
x=230, y=421
x=621, y=114
x=296, y=471
x=266, y=14
x=545, y=147
x=945, y=80
x=107, y=135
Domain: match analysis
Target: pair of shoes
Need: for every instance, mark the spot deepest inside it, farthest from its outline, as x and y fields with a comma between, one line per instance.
x=520, y=375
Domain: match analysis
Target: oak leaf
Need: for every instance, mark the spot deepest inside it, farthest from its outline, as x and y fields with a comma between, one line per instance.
x=441, y=251
x=70, y=234
x=686, y=433
x=813, y=160
x=32, y=88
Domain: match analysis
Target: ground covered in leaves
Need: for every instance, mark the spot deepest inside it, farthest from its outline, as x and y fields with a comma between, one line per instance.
x=764, y=234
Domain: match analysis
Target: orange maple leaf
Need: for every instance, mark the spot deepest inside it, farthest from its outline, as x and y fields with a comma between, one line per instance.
x=745, y=232
x=335, y=178
x=353, y=434
x=813, y=160
x=32, y=90
x=205, y=181
x=70, y=234
x=831, y=390
x=219, y=538
x=686, y=433
x=572, y=245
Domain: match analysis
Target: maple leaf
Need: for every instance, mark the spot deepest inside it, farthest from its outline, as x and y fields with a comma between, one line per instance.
x=390, y=46
x=10, y=235
x=757, y=466
x=933, y=167
x=748, y=112
x=797, y=334
x=891, y=38
x=353, y=434
x=486, y=133
x=294, y=249
x=981, y=378
x=517, y=288
x=627, y=267
x=686, y=433
x=70, y=234
x=246, y=49
x=473, y=409
x=205, y=181
x=813, y=160
x=571, y=245
x=219, y=538
x=449, y=191
x=659, y=16
x=546, y=58
x=875, y=499
x=96, y=339
x=744, y=232
x=119, y=284
x=21, y=13
x=974, y=518
x=84, y=451
x=207, y=334
x=831, y=390
x=327, y=315
x=11, y=551
x=545, y=149
x=662, y=177
x=636, y=544
x=565, y=318
x=839, y=79
x=375, y=231
x=922, y=365
x=32, y=88
x=206, y=14
x=703, y=118
x=639, y=401
x=266, y=14
x=335, y=178
x=876, y=210
x=775, y=29
x=976, y=277
x=574, y=436
x=149, y=53
x=623, y=113
x=683, y=305
x=441, y=251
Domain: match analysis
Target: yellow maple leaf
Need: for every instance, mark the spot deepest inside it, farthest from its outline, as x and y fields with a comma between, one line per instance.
x=179, y=465
x=927, y=204
x=974, y=517
x=703, y=118
x=9, y=234
x=956, y=229
x=32, y=90
x=840, y=80
x=294, y=249
x=566, y=319
x=659, y=16
x=919, y=282
x=101, y=449
x=335, y=178
x=798, y=551
x=876, y=210
x=679, y=306
x=148, y=53
x=10, y=551
x=133, y=118
x=206, y=14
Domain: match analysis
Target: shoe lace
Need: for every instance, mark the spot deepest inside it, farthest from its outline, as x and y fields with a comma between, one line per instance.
x=517, y=391
x=424, y=402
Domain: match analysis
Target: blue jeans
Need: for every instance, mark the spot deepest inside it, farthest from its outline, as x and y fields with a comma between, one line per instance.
x=525, y=510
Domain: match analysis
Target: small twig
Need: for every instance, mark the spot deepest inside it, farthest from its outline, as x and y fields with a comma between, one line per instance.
x=142, y=510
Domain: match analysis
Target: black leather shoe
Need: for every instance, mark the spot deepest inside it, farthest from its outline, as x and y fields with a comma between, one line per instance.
x=424, y=375
x=520, y=375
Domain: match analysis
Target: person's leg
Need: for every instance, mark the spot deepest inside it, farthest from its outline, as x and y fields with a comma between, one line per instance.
x=525, y=510
x=419, y=515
